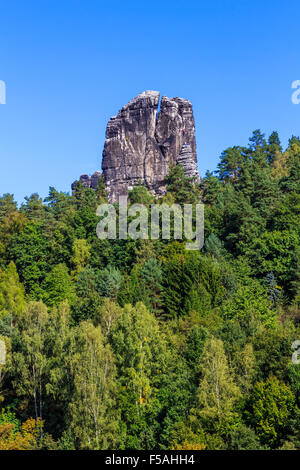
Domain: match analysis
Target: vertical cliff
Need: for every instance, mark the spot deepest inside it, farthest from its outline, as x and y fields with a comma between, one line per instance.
x=142, y=141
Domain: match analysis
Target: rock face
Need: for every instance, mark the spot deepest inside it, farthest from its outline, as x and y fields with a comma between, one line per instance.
x=187, y=161
x=141, y=144
x=88, y=181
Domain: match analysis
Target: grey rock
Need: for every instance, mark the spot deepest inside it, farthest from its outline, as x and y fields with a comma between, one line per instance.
x=187, y=161
x=95, y=179
x=141, y=144
x=87, y=181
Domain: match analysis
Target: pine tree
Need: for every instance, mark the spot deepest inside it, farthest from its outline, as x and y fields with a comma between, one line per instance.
x=274, y=147
x=152, y=274
x=182, y=188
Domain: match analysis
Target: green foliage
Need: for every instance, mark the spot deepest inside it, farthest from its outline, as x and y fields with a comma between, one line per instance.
x=140, y=195
x=248, y=306
x=140, y=352
x=181, y=187
x=12, y=295
x=29, y=249
x=244, y=438
x=152, y=275
x=269, y=411
x=217, y=391
x=93, y=421
x=81, y=255
x=143, y=344
x=273, y=252
x=109, y=282
x=58, y=286
x=101, y=192
x=29, y=361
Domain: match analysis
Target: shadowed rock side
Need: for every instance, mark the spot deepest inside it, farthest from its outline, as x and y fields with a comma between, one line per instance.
x=141, y=144
x=130, y=151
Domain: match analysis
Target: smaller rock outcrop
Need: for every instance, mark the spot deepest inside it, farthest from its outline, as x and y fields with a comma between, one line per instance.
x=88, y=181
x=186, y=160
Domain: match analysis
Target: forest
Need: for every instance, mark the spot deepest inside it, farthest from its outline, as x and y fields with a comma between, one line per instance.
x=142, y=344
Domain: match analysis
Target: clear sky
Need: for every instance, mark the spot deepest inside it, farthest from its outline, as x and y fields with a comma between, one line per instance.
x=70, y=65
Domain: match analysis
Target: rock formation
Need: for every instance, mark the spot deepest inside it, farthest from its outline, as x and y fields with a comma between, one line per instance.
x=141, y=144
x=88, y=181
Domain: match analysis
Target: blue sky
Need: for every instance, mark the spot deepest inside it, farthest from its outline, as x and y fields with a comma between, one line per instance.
x=69, y=65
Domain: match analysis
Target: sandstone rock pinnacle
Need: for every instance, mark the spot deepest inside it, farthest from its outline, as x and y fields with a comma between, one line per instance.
x=142, y=141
